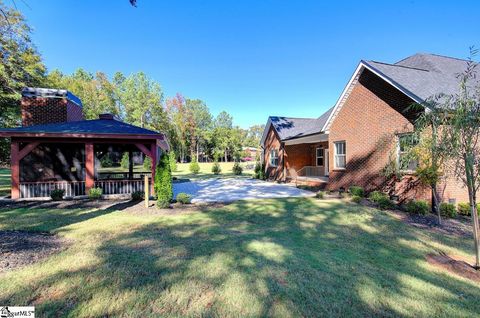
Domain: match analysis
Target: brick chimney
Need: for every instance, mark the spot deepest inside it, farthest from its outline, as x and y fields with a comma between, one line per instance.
x=47, y=106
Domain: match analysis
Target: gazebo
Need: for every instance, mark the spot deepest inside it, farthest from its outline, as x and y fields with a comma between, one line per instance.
x=65, y=154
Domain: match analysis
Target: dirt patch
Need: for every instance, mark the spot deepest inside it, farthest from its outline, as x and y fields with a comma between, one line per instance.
x=19, y=248
x=458, y=227
x=456, y=266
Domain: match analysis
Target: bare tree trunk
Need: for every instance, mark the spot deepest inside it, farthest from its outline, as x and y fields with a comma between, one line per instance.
x=436, y=204
x=225, y=155
x=197, y=150
x=473, y=207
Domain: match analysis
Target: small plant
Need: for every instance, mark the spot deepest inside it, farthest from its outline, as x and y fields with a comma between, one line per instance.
x=463, y=208
x=385, y=203
x=357, y=191
x=184, y=198
x=95, y=193
x=124, y=163
x=448, y=210
x=356, y=198
x=57, y=194
x=147, y=163
x=237, y=168
x=138, y=195
x=320, y=195
x=106, y=161
x=194, y=166
x=258, y=171
x=162, y=203
x=376, y=196
x=216, y=169
x=417, y=207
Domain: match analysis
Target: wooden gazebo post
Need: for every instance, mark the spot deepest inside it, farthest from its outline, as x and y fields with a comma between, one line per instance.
x=89, y=167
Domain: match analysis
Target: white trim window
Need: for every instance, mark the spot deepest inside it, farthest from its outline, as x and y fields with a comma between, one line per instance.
x=320, y=155
x=340, y=155
x=273, y=157
x=405, y=160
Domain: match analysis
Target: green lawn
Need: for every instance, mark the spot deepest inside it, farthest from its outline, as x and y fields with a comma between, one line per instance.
x=183, y=170
x=4, y=181
x=283, y=258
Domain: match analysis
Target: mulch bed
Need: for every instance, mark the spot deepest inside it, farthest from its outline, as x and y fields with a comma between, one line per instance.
x=65, y=204
x=459, y=267
x=19, y=248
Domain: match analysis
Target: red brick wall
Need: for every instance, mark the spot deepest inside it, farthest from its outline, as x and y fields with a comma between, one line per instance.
x=368, y=122
x=41, y=110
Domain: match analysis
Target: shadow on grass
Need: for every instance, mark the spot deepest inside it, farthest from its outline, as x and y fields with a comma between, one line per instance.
x=290, y=257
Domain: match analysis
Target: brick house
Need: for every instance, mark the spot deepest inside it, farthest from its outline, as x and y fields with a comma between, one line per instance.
x=355, y=141
x=56, y=148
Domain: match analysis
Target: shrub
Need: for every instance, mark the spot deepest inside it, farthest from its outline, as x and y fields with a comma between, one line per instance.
x=357, y=191
x=173, y=161
x=463, y=208
x=95, y=193
x=163, y=182
x=417, y=207
x=356, y=198
x=216, y=169
x=237, y=168
x=448, y=210
x=138, y=195
x=384, y=203
x=57, y=194
x=125, y=161
x=259, y=171
x=184, y=198
x=320, y=195
x=106, y=161
x=147, y=163
x=194, y=166
x=376, y=196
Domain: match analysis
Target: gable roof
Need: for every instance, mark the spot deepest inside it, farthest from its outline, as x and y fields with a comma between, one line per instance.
x=83, y=127
x=291, y=127
x=420, y=77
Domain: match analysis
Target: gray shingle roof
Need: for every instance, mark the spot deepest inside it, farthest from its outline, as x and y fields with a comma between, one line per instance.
x=288, y=127
x=50, y=92
x=96, y=126
x=424, y=75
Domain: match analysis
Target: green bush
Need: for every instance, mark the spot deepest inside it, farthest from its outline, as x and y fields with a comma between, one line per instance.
x=95, y=193
x=184, y=198
x=163, y=182
x=57, y=194
x=464, y=208
x=259, y=171
x=194, y=166
x=448, y=210
x=173, y=161
x=138, y=195
x=376, y=196
x=384, y=203
x=237, y=168
x=357, y=191
x=356, y=198
x=147, y=163
x=320, y=195
x=106, y=161
x=216, y=169
x=417, y=207
x=125, y=161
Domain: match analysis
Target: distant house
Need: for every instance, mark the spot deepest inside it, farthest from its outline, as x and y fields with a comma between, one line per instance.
x=57, y=149
x=353, y=142
x=250, y=153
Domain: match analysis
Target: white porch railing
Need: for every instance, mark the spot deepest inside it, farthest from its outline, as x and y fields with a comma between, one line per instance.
x=44, y=189
x=121, y=186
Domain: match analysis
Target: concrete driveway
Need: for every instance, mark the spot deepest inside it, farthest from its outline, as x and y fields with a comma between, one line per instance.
x=232, y=189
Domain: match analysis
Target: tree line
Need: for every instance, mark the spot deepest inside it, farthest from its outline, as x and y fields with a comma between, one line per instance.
x=192, y=130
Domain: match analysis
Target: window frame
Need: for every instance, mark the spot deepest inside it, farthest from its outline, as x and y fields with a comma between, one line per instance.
x=318, y=157
x=274, y=157
x=336, y=155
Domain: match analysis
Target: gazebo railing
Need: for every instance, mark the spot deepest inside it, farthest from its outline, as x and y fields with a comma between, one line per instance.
x=121, y=186
x=44, y=189
x=122, y=175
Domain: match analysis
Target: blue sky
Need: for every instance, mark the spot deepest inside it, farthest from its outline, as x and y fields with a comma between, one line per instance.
x=250, y=58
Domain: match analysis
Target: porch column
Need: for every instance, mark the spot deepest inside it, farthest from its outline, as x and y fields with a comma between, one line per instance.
x=15, y=169
x=153, y=153
x=130, y=164
x=89, y=167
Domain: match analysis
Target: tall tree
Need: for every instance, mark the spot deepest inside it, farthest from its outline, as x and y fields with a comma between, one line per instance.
x=177, y=114
x=200, y=123
x=20, y=66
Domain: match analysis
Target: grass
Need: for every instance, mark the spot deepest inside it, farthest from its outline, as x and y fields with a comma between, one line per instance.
x=183, y=171
x=4, y=181
x=283, y=258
